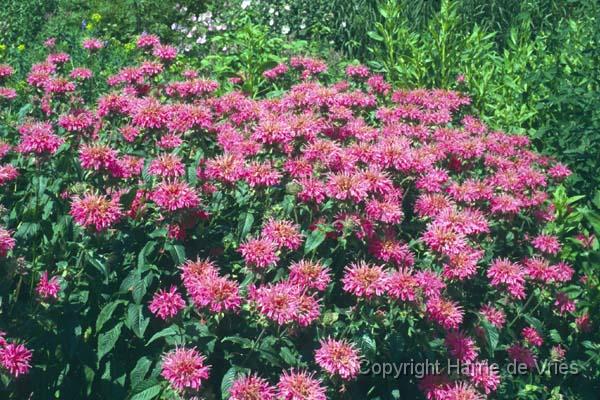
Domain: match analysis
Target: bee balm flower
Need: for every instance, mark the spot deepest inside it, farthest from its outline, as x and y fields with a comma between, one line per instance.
x=338, y=357
x=185, y=369
x=96, y=210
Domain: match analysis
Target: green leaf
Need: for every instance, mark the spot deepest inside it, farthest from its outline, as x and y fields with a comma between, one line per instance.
x=140, y=370
x=555, y=336
x=148, y=393
x=313, y=241
x=375, y=36
x=169, y=331
x=492, y=336
x=108, y=340
x=105, y=314
x=288, y=357
x=248, y=220
x=135, y=320
x=146, y=251
x=177, y=253
x=367, y=345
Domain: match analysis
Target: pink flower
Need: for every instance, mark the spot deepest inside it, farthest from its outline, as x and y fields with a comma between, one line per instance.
x=167, y=304
x=284, y=234
x=148, y=113
x=391, y=250
x=173, y=196
x=484, y=376
x=7, y=242
x=259, y=253
x=8, y=173
x=310, y=275
x=459, y=391
x=338, y=357
x=546, y=243
x=7, y=93
x=461, y=346
x=167, y=166
x=557, y=353
x=299, y=385
x=446, y=313
x=434, y=386
x=564, y=304
x=81, y=73
x=522, y=355
x=15, y=359
x=444, y=239
x=192, y=271
x=357, y=71
x=96, y=210
x=251, y=387
x=5, y=71
x=279, y=302
x=98, y=157
x=309, y=309
x=58, y=58
x=184, y=368
x=146, y=40
x=92, y=44
x=365, y=280
x=502, y=271
x=402, y=285
x=50, y=42
x=583, y=323
x=39, y=138
x=77, y=121
x=48, y=288
x=261, y=174
x=164, y=52
x=217, y=293
x=559, y=171
x=276, y=72
x=495, y=316
x=532, y=336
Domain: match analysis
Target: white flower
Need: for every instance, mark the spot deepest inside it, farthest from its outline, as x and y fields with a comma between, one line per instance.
x=271, y=22
x=287, y=7
x=271, y=10
x=246, y=4
x=201, y=39
x=285, y=30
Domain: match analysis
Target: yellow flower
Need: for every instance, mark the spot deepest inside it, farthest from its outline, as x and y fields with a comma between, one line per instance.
x=2, y=47
x=129, y=46
x=96, y=17
x=21, y=47
x=89, y=26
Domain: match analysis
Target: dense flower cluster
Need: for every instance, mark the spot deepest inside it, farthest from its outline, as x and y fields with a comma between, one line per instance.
x=411, y=195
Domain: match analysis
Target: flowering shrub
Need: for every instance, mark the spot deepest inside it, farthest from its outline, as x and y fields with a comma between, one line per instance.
x=169, y=238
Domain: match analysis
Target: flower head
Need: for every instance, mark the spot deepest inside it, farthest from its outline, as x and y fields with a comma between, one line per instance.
x=184, y=368
x=96, y=211
x=48, y=288
x=299, y=385
x=15, y=359
x=338, y=357
x=167, y=304
x=251, y=387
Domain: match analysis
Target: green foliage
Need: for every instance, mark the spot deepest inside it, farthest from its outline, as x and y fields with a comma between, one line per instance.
x=539, y=75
